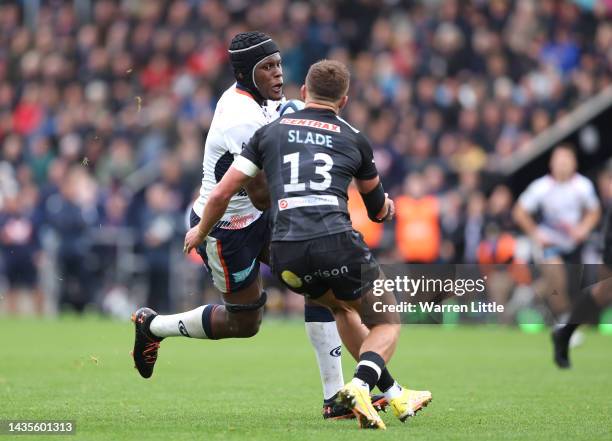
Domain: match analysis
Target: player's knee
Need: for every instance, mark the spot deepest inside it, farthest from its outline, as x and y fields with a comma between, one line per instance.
x=339, y=307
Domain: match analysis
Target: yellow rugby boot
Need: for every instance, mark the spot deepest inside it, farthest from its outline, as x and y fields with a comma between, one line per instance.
x=409, y=403
x=356, y=396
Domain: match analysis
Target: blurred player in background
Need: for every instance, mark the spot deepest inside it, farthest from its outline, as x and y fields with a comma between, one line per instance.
x=240, y=240
x=315, y=251
x=589, y=305
x=569, y=210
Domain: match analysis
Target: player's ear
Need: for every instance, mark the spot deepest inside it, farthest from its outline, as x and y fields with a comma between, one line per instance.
x=303, y=92
x=343, y=102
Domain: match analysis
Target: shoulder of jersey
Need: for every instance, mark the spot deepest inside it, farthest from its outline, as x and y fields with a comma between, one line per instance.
x=236, y=107
x=582, y=181
x=544, y=182
x=340, y=119
x=580, y=178
x=299, y=114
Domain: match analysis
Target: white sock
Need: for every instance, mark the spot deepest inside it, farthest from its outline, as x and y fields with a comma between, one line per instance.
x=360, y=383
x=325, y=340
x=187, y=324
x=394, y=391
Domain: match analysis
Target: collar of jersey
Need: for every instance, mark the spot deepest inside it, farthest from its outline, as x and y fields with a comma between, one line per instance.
x=318, y=110
x=243, y=90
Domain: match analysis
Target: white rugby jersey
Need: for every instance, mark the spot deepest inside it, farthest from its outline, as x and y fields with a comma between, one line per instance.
x=562, y=204
x=236, y=118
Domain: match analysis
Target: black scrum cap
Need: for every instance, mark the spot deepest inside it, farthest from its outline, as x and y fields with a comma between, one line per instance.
x=246, y=50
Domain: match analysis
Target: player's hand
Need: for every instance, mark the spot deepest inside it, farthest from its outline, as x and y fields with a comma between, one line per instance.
x=540, y=238
x=579, y=234
x=388, y=210
x=391, y=212
x=193, y=239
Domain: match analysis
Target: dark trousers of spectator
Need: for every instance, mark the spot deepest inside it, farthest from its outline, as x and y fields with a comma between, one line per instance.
x=72, y=278
x=158, y=297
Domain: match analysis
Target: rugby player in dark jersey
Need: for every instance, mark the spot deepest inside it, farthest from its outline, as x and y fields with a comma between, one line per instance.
x=590, y=304
x=309, y=160
x=234, y=249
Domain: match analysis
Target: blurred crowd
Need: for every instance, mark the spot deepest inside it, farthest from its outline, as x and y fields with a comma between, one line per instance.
x=105, y=105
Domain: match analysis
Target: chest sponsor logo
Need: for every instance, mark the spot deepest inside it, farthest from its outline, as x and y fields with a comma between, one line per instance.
x=300, y=122
x=306, y=201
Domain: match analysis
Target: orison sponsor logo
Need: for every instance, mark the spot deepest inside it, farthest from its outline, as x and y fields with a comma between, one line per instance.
x=326, y=274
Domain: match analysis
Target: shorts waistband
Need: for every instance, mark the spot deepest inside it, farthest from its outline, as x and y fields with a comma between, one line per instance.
x=237, y=222
x=233, y=223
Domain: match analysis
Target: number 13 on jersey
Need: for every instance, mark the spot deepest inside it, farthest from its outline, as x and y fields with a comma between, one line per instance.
x=293, y=159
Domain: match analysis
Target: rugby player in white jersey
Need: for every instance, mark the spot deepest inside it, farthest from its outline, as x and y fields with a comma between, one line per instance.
x=240, y=240
x=569, y=209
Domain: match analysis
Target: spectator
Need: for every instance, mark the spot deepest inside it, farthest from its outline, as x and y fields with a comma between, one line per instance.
x=417, y=232
x=159, y=226
x=21, y=251
x=70, y=213
x=474, y=225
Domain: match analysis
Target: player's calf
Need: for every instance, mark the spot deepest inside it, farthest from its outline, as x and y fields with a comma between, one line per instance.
x=232, y=320
x=205, y=322
x=239, y=324
x=241, y=315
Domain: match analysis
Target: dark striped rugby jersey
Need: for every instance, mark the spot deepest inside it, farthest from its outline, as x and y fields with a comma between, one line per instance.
x=309, y=159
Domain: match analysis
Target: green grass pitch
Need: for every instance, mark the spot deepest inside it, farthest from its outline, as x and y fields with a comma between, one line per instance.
x=488, y=383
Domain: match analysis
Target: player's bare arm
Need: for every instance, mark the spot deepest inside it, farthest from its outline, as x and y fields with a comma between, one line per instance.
x=587, y=224
x=526, y=222
x=259, y=194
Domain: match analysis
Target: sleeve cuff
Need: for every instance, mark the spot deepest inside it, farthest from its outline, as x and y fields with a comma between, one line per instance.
x=245, y=166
